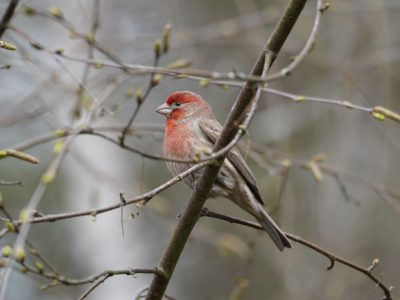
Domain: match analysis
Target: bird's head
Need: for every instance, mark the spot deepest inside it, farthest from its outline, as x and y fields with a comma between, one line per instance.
x=184, y=104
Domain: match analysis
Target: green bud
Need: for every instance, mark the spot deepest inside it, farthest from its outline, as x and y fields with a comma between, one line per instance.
x=166, y=37
x=90, y=37
x=378, y=116
x=10, y=226
x=72, y=34
x=28, y=11
x=58, y=146
x=139, y=96
x=156, y=79
x=204, y=82
x=98, y=66
x=6, y=251
x=25, y=215
x=59, y=51
x=48, y=177
x=39, y=266
x=179, y=63
x=19, y=254
x=299, y=99
x=60, y=133
x=55, y=11
x=157, y=47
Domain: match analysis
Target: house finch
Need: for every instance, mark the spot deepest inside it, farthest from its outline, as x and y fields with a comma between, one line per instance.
x=191, y=131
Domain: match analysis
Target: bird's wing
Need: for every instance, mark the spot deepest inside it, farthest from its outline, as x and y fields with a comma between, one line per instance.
x=212, y=129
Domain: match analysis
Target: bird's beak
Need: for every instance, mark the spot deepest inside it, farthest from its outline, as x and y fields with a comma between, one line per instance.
x=164, y=109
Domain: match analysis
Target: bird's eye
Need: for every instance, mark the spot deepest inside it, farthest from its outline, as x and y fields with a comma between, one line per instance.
x=177, y=104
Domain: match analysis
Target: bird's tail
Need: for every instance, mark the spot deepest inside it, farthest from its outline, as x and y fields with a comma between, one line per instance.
x=276, y=234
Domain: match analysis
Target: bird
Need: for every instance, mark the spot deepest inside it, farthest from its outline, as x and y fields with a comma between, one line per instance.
x=191, y=131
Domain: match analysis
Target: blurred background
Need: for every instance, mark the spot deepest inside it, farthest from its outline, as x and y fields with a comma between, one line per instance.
x=352, y=208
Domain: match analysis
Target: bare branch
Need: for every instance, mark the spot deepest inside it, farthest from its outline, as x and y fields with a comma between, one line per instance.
x=234, y=79
x=160, y=48
x=286, y=71
x=144, y=198
x=8, y=14
x=89, y=38
x=332, y=257
x=90, y=55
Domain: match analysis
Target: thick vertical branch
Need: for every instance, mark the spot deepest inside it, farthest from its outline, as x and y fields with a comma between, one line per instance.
x=192, y=210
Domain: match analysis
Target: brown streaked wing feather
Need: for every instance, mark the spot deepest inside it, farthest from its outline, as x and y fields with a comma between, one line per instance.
x=212, y=129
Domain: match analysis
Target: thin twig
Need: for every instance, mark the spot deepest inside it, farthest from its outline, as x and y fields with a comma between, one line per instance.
x=90, y=55
x=332, y=257
x=59, y=18
x=294, y=161
x=90, y=131
x=284, y=159
x=46, y=178
x=65, y=131
x=95, y=278
x=234, y=79
x=144, y=198
x=32, y=248
x=141, y=98
x=93, y=287
x=286, y=71
x=37, y=195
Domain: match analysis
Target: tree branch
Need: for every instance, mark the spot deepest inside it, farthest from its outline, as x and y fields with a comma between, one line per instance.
x=143, y=198
x=234, y=79
x=7, y=16
x=332, y=257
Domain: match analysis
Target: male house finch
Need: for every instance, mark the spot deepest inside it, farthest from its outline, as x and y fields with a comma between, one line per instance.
x=191, y=129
